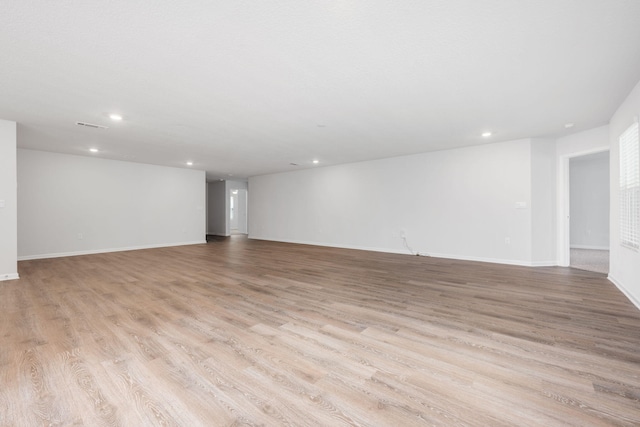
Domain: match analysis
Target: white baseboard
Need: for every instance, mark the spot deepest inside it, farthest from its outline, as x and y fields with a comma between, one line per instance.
x=596, y=248
x=101, y=251
x=497, y=260
x=406, y=252
x=9, y=276
x=552, y=263
x=635, y=301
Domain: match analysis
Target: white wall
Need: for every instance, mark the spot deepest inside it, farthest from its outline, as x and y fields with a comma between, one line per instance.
x=578, y=144
x=8, y=202
x=69, y=205
x=543, y=201
x=459, y=203
x=586, y=142
x=624, y=269
x=589, y=201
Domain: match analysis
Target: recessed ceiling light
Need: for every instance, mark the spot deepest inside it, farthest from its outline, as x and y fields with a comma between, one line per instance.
x=93, y=150
x=315, y=162
x=189, y=163
x=569, y=125
x=115, y=117
x=486, y=134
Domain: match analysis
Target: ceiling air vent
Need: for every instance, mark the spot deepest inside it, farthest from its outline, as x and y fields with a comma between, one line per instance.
x=91, y=125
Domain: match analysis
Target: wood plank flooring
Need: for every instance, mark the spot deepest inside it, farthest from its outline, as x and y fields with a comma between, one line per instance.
x=243, y=332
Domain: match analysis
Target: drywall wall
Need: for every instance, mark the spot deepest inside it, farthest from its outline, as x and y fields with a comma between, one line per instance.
x=578, y=144
x=581, y=143
x=217, y=211
x=589, y=201
x=467, y=203
x=69, y=205
x=8, y=202
x=543, y=201
x=624, y=268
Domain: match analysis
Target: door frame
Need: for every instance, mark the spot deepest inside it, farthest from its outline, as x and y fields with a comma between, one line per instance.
x=564, y=207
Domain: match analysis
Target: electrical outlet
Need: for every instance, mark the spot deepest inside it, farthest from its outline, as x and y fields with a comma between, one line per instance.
x=507, y=240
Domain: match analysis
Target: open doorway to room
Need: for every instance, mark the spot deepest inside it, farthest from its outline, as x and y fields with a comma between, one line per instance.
x=589, y=212
x=226, y=208
x=238, y=211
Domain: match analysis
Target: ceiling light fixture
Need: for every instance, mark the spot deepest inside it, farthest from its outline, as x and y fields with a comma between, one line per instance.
x=486, y=134
x=115, y=117
x=569, y=125
x=315, y=162
x=189, y=163
x=93, y=150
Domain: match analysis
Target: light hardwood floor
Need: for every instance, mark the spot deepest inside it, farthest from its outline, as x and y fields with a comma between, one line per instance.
x=242, y=332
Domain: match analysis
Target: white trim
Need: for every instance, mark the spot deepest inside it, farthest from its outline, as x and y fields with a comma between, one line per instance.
x=101, y=251
x=549, y=263
x=625, y=291
x=595, y=248
x=11, y=276
x=497, y=260
x=423, y=254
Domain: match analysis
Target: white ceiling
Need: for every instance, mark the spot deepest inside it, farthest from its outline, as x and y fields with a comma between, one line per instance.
x=247, y=87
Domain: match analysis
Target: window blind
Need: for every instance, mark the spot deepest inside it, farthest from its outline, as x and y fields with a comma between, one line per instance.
x=630, y=187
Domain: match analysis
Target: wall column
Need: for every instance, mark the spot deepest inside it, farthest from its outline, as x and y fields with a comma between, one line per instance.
x=8, y=202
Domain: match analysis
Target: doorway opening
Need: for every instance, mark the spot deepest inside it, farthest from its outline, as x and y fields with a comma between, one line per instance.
x=238, y=211
x=589, y=212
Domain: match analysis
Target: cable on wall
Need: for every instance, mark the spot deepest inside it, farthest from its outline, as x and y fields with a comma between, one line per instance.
x=411, y=251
